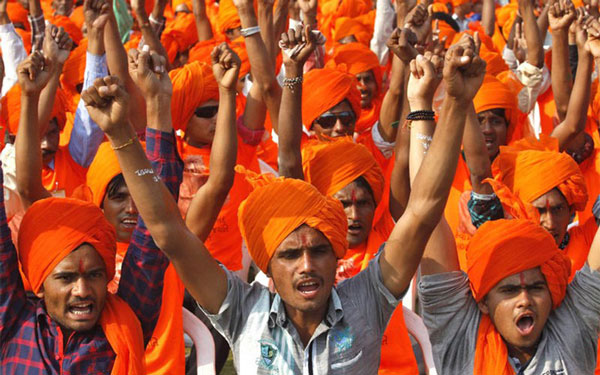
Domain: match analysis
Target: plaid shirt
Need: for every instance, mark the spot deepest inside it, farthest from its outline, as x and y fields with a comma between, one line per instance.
x=38, y=28
x=32, y=343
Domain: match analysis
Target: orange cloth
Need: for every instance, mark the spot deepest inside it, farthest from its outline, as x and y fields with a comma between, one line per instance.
x=66, y=175
x=227, y=17
x=103, y=169
x=360, y=27
x=72, y=74
x=238, y=45
x=51, y=229
x=446, y=31
x=531, y=168
x=193, y=84
x=457, y=3
x=70, y=27
x=495, y=94
x=332, y=10
x=580, y=242
x=26, y=37
x=77, y=16
x=11, y=109
x=505, y=18
x=201, y=50
x=18, y=15
x=499, y=249
x=324, y=89
x=278, y=206
x=179, y=34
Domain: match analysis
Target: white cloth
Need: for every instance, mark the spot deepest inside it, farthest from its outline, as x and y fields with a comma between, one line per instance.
x=13, y=52
x=385, y=21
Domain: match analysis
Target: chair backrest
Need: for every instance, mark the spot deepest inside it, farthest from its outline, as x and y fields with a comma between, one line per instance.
x=203, y=342
x=415, y=326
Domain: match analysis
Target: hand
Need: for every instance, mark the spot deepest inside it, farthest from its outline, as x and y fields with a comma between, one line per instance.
x=96, y=14
x=226, y=66
x=309, y=8
x=304, y=40
x=244, y=4
x=561, y=14
x=592, y=44
x=33, y=73
x=57, y=44
x=437, y=46
x=425, y=77
x=4, y=19
x=107, y=103
x=464, y=69
x=294, y=10
x=139, y=9
x=591, y=6
x=419, y=22
x=402, y=44
x=148, y=71
x=520, y=43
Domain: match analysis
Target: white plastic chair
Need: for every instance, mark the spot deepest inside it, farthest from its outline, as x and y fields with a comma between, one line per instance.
x=415, y=326
x=203, y=342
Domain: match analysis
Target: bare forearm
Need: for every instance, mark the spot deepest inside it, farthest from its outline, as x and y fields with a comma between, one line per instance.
x=263, y=71
x=543, y=22
x=203, y=26
x=476, y=154
x=391, y=107
x=488, y=17
x=400, y=178
x=535, y=49
x=290, y=128
x=561, y=72
x=29, y=154
x=265, y=21
x=158, y=111
x=47, y=98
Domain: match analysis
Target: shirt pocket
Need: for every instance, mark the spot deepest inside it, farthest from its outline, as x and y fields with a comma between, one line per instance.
x=348, y=363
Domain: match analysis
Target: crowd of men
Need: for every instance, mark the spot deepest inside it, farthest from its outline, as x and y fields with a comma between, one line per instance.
x=286, y=170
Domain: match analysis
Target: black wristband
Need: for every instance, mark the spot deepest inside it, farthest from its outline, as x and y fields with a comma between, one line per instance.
x=423, y=115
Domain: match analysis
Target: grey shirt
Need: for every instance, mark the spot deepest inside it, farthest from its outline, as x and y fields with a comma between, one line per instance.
x=348, y=340
x=569, y=339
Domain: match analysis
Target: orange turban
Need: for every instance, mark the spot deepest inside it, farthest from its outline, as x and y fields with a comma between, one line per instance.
x=103, y=169
x=18, y=14
x=227, y=18
x=494, y=94
x=278, y=206
x=11, y=109
x=506, y=16
x=499, y=249
x=324, y=89
x=359, y=27
x=330, y=166
x=70, y=27
x=358, y=58
x=457, y=3
x=51, y=229
x=201, y=51
x=74, y=68
x=179, y=34
x=77, y=16
x=530, y=173
x=193, y=84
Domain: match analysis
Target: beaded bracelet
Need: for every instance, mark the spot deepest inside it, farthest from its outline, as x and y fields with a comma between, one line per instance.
x=423, y=115
x=290, y=83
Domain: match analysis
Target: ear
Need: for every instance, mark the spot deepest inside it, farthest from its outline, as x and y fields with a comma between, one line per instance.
x=483, y=307
x=40, y=293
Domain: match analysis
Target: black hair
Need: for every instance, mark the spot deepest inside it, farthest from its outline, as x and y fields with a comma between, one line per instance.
x=500, y=112
x=113, y=187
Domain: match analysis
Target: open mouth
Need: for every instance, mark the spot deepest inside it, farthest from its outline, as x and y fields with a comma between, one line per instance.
x=525, y=324
x=309, y=288
x=354, y=229
x=82, y=311
x=129, y=222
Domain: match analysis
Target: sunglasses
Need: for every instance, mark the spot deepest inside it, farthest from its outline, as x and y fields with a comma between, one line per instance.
x=328, y=120
x=207, y=112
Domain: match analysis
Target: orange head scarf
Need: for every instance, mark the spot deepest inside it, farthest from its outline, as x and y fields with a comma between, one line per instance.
x=499, y=249
x=26, y=37
x=70, y=27
x=530, y=168
x=238, y=45
x=51, y=229
x=11, y=109
x=359, y=27
x=324, y=89
x=278, y=206
x=179, y=34
x=18, y=14
x=74, y=68
x=495, y=94
x=227, y=18
x=506, y=16
x=103, y=169
x=201, y=51
x=193, y=84
x=330, y=166
x=358, y=58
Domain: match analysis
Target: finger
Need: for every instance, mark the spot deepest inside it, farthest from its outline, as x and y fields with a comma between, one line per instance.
x=291, y=34
x=413, y=68
x=427, y=68
x=91, y=97
x=214, y=55
x=477, y=42
x=157, y=63
x=143, y=61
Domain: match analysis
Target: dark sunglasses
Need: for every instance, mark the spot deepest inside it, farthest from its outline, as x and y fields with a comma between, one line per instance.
x=328, y=120
x=207, y=112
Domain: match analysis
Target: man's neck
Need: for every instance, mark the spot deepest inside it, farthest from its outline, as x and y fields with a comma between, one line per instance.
x=522, y=354
x=306, y=322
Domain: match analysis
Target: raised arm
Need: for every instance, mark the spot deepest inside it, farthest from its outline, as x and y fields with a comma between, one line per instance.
x=476, y=154
x=561, y=14
x=203, y=27
x=209, y=199
x=576, y=116
x=34, y=73
x=150, y=37
x=200, y=273
x=463, y=73
x=290, y=113
x=535, y=46
x=488, y=17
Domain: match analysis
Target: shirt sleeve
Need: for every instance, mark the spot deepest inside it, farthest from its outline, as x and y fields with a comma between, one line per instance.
x=450, y=312
x=583, y=298
x=385, y=21
x=535, y=81
x=13, y=52
x=86, y=135
x=38, y=28
x=386, y=148
x=142, y=273
x=12, y=293
x=484, y=207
